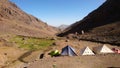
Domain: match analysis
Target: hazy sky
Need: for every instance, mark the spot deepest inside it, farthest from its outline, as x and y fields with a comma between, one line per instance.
x=57, y=12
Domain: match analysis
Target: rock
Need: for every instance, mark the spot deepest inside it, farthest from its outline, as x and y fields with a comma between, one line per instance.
x=41, y=56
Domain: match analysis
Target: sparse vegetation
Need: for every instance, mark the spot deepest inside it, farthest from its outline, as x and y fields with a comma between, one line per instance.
x=31, y=43
x=54, y=66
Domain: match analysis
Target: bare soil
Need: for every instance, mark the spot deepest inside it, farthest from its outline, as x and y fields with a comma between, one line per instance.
x=101, y=61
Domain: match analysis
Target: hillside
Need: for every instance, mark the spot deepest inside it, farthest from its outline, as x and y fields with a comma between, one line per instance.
x=101, y=24
x=15, y=21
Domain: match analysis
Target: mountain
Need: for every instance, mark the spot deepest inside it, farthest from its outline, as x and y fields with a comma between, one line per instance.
x=62, y=27
x=15, y=21
x=101, y=24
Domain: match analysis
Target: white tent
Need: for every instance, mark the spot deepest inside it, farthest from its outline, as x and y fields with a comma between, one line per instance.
x=102, y=50
x=87, y=51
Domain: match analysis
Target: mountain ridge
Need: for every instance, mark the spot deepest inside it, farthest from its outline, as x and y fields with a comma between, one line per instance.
x=15, y=21
x=101, y=24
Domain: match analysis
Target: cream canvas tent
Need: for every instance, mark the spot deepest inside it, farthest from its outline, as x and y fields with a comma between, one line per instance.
x=87, y=51
x=102, y=50
x=68, y=51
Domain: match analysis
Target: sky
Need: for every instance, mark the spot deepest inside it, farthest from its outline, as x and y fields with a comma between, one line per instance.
x=58, y=12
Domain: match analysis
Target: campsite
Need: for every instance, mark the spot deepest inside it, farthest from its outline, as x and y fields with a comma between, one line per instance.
x=71, y=60
x=74, y=54
x=59, y=33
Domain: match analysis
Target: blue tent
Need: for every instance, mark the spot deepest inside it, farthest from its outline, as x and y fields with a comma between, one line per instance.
x=68, y=51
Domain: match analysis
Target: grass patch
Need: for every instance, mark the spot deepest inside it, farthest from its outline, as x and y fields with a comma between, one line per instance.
x=31, y=43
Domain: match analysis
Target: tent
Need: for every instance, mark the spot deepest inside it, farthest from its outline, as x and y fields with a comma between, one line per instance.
x=87, y=51
x=102, y=50
x=68, y=51
x=54, y=53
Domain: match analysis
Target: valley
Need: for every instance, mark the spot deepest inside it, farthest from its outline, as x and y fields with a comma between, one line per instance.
x=25, y=38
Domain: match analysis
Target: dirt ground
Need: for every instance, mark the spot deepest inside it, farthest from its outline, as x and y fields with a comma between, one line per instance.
x=9, y=56
x=101, y=61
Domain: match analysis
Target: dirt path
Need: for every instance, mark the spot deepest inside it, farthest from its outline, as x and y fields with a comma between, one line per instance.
x=26, y=54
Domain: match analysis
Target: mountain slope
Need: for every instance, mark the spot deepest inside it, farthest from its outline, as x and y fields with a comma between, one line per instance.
x=100, y=25
x=15, y=21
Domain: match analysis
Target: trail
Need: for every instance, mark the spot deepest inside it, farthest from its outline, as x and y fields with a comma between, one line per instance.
x=26, y=54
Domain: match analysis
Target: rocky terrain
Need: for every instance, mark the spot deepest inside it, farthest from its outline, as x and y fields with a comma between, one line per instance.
x=23, y=38
x=78, y=62
x=15, y=21
x=100, y=25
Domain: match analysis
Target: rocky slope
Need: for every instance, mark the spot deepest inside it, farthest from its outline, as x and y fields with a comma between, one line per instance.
x=100, y=25
x=15, y=21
